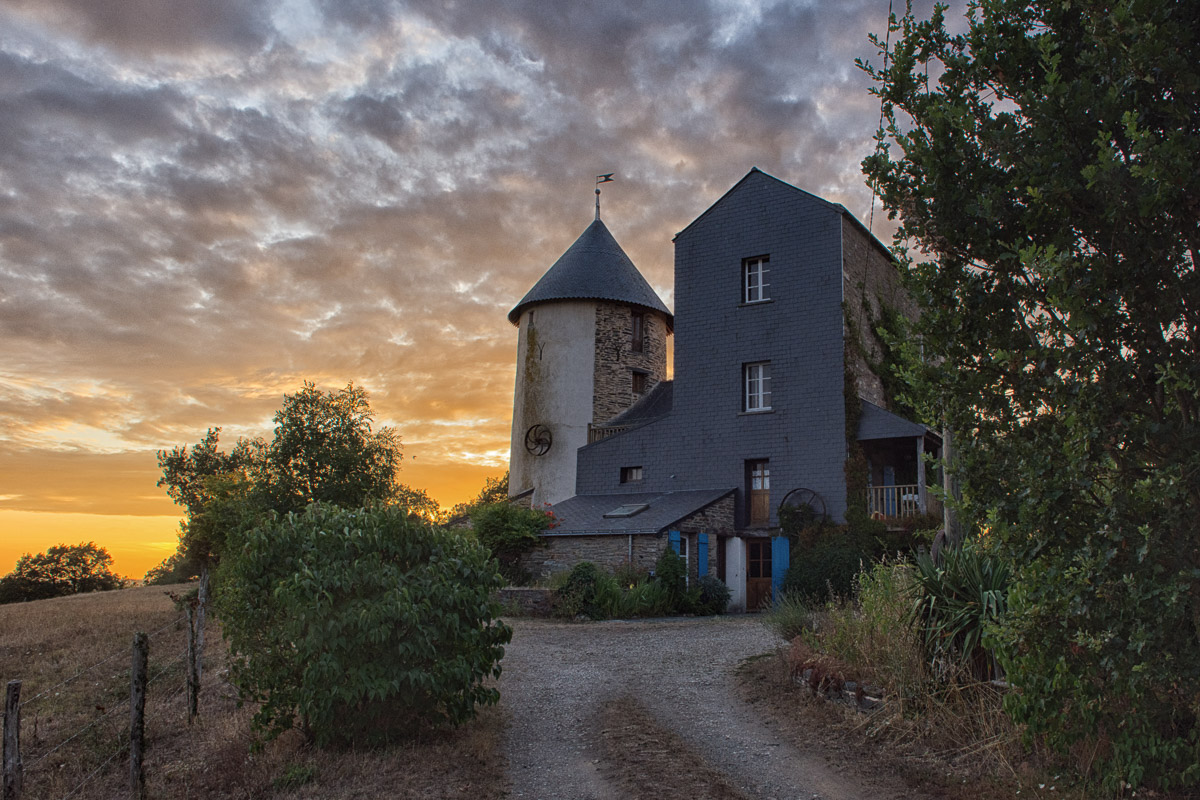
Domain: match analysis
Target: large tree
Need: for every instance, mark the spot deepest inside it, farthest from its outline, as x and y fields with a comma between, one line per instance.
x=1045, y=166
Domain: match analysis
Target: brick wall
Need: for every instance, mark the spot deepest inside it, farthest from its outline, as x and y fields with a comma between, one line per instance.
x=615, y=360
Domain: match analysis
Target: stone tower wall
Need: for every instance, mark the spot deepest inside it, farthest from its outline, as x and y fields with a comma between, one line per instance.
x=615, y=360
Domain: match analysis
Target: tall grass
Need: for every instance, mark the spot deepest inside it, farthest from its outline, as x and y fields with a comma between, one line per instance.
x=873, y=633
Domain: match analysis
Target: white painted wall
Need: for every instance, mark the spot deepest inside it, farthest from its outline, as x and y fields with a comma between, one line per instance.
x=556, y=354
x=735, y=572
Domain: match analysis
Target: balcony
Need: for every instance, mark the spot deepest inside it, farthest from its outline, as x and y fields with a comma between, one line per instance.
x=901, y=500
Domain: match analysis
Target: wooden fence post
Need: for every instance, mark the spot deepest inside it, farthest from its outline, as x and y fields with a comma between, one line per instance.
x=192, y=666
x=12, y=741
x=137, y=715
x=202, y=611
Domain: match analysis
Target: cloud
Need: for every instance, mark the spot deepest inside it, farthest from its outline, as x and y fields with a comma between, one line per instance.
x=203, y=205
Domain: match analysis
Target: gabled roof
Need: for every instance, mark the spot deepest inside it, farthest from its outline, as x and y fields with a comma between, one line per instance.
x=585, y=513
x=594, y=268
x=879, y=423
x=838, y=207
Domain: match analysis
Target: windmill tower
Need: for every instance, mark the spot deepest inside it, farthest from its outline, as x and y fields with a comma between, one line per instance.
x=592, y=340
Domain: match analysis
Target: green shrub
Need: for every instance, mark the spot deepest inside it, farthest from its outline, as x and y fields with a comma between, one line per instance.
x=670, y=572
x=510, y=531
x=359, y=625
x=955, y=604
x=828, y=567
x=581, y=591
x=712, y=596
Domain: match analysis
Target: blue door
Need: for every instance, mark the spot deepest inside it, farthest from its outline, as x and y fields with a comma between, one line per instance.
x=780, y=559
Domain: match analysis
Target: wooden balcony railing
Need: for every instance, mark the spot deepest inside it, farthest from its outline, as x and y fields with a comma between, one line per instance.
x=895, y=501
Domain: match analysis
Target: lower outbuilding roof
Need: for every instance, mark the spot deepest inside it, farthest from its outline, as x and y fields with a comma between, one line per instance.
x=629, y=512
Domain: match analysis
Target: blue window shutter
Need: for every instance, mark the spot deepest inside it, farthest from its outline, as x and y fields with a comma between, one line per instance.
x=673, y=538
x=702, y=554
x=780, y=557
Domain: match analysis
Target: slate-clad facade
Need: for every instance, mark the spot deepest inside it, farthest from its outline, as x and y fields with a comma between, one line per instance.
x=708, y=438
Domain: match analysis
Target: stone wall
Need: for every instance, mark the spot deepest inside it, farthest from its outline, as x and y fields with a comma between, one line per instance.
x=615, y=361
x=871, y=281
x=717, y=517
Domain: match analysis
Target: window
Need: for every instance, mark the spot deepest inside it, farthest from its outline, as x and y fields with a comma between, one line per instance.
x=758, y=386
x=638, y=335
x=630, y=474
x=758, y=478
x=754, y=279
x=639, y=383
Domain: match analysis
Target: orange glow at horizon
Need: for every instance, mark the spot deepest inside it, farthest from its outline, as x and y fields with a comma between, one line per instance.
x=139, y=542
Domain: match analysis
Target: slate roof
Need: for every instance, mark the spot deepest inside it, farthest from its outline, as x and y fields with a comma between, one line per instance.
x=654, y=404
x=878, y=423
x=593, y=268
x=584, y=514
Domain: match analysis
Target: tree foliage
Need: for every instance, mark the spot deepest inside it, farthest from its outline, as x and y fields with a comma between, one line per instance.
x=508, y=532
x=1045, y=165
x=357, y=625
x=63, y=569
x=323, y=450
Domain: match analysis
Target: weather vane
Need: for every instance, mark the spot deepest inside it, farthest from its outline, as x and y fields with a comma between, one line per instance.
x=599, y=180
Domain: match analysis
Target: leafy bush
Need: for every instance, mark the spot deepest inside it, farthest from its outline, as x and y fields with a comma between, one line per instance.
x=358, y=625
x=711, y=596
x=955, y=604
x=579, y=592
x=670, y=572
x=510, y=531
x=827, y=568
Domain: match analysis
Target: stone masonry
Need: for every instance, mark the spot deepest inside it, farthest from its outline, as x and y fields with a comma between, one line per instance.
x=615, y=360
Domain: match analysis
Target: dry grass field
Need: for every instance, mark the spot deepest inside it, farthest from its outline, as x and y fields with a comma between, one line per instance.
x=73, y=654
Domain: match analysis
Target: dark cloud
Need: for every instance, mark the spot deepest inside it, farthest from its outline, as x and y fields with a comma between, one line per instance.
x=157, y=26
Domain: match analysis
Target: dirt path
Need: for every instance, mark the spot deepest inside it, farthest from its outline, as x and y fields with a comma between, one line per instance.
x=560, y=677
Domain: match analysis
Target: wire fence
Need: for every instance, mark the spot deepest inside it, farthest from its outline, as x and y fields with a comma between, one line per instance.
x=77, y=735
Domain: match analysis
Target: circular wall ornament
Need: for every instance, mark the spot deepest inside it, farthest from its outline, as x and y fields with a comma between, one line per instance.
x=538, y=440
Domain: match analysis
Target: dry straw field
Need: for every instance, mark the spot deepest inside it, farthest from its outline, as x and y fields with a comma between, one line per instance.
x=73, y=656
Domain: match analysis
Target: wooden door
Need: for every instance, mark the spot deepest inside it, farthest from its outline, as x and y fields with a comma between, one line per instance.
x=758, y=574
x=759, y=494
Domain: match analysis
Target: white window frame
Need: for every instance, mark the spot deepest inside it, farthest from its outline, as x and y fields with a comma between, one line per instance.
x=631, y=474
x=756, y=386
x=754, y=279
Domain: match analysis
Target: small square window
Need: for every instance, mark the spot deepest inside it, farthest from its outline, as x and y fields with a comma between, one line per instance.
x=755, y=279
x=631, y=474
x=757, y=386
x=638, y=333
x=638, y=383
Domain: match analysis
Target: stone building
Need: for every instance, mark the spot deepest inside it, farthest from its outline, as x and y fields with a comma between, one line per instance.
x=776, y=294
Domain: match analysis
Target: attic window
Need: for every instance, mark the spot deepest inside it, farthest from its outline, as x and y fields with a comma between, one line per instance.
x=628, y=510
x=631, y=474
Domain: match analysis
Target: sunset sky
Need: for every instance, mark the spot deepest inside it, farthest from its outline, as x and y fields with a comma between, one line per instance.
x=205, y=203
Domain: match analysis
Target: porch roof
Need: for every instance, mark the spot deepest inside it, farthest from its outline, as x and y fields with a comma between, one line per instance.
x=585, y=513
x=879, y=423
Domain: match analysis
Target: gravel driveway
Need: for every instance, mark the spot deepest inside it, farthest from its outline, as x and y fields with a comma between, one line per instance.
x=558, y=674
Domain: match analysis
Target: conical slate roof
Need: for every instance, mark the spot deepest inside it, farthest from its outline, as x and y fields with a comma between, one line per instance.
x=594, y=268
